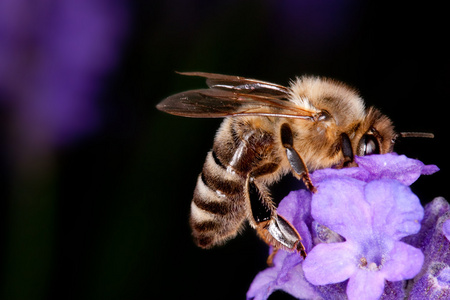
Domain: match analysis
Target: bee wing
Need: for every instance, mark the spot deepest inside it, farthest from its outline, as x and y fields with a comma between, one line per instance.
x=242, y=85
x=219, y=103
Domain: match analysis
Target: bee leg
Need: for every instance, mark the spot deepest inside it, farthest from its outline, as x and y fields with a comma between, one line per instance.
x=269, y=260
x=260, y=203
x=286, y=234
x=298, y=166
x=274, y=229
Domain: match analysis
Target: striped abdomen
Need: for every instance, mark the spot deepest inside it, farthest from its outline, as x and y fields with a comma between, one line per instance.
x=219, y=206
x=217, y=209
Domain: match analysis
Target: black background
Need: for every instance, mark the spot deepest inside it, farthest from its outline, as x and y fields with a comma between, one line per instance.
x=120, y=222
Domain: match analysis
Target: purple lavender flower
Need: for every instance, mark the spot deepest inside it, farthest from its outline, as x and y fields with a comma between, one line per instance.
x=433, y=281
x=372, y=217
x=361, y=225
x=285, y=274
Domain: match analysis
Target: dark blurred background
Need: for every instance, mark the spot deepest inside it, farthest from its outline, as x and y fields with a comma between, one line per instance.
x=96, y=183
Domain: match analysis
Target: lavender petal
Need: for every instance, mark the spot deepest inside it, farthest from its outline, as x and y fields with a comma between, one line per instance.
x=446, y=229
x=334, y=206
x=394, y=166
x=397, y=211
x=330, y=263
x=365, y=285
x=404, y=262
x=286, y=275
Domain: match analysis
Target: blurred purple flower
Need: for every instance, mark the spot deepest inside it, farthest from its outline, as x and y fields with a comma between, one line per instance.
x=362, y=224
x=53, y=57
x=372, y=217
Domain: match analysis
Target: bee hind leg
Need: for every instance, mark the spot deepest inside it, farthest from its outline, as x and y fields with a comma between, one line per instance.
x=299, y=168
x=281, y=234
x=286, y=234
x=274, y=229
x=260, y=203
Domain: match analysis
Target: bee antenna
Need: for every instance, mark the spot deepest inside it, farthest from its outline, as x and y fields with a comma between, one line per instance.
x=427, y=135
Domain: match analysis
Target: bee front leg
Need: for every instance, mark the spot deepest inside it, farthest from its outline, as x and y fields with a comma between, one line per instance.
x=298, y=166
x=274, y=229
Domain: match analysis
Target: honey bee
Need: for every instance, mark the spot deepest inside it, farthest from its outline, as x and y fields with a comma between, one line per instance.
x=269, y=131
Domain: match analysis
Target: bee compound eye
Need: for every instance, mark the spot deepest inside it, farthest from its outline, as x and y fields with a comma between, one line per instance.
x=368, y=145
